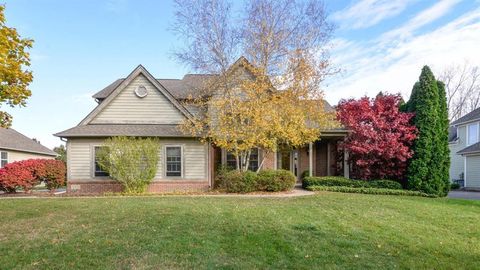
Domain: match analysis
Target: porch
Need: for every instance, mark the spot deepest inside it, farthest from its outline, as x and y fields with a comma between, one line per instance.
x=325, y=159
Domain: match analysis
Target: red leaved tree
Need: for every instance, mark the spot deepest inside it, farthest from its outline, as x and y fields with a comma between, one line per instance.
x=381, y=138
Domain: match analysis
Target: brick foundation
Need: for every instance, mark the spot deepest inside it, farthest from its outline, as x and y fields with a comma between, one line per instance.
x=100, y=187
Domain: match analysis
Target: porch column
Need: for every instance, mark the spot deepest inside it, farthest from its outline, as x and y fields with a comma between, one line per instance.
x=346, y=169
x=310, y=159
x=328, y=158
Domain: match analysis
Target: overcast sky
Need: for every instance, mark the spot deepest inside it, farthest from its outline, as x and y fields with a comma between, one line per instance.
x=83, y=45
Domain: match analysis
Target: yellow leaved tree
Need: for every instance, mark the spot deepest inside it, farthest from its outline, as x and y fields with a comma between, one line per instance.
x=14, y=80
x=274, y=98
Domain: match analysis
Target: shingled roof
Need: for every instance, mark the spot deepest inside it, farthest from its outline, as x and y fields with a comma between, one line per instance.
x=188, y=86
x=474, y=148
x=136, y=130
x=469, y=117
x=11, y=139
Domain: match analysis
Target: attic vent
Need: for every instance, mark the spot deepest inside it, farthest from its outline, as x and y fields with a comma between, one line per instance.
x=141, y=91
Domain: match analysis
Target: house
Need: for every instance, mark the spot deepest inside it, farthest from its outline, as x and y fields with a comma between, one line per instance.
x=464, y=147
x=141, y=105
x=15, y=146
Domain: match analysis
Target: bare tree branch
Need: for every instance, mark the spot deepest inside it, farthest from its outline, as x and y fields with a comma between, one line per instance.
x=462, y=83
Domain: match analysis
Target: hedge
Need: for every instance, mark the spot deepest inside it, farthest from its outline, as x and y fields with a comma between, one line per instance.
x=243, y=182
x=338, y=181
x=28, y=173
x=376, y=191
x=275, y=180
x=239, y=182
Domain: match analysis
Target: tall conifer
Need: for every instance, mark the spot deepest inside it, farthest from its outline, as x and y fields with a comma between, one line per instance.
x=443, y=157
x=422, y=173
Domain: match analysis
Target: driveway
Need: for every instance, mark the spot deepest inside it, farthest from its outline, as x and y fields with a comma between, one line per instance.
x=468, y=195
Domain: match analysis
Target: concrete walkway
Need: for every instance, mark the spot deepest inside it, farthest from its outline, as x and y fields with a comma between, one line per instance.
x=468, y=195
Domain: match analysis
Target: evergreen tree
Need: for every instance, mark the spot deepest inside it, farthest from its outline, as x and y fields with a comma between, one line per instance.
x=422, y=173
x=443, y=157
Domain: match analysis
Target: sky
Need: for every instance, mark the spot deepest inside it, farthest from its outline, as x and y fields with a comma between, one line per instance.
x=81, y=46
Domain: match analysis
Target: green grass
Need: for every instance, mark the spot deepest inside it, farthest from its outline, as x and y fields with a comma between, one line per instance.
x=328, y=230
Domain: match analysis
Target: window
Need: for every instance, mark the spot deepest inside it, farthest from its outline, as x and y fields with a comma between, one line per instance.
x=472, y=134
x=3, y=159
x=231, y=161
x=252, y=165
x=98, y=170
x=173, y=161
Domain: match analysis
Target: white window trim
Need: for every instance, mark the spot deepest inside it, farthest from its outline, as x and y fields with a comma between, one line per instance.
x=3, y=159
x=478, y=133
x=182, y=160
x=92, y=165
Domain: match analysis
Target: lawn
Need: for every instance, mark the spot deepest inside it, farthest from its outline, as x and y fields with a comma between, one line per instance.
x=328, y=230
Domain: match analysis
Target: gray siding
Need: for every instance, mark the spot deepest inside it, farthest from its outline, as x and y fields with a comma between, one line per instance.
x=127, y=108
x=195, y=159
x=473, y=172
x=457, y=161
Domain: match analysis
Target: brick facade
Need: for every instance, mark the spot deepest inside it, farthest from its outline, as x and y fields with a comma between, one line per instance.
x=269, y=162
x=100, y=187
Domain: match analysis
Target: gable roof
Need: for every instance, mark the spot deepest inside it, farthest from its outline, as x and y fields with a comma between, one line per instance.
x=179, y=88
x=11, y=139
x=469, y=117
x=116, y=87
x=175, y=90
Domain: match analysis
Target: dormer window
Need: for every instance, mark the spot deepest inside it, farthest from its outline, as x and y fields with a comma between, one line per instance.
x=472, y=134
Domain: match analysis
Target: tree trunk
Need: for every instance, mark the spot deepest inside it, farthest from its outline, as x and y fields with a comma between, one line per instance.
x=261, y=163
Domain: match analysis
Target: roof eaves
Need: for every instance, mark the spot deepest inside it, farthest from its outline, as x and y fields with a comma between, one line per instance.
x=53, y=154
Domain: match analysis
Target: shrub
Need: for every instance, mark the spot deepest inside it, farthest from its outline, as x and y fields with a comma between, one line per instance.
x=275, y=180
x=28, y=173
x=390, y=184
x=220, y=176
x=454, y=186
x=53, y=174
x=15, y=175
x=304, y=175
x=377, y=191
x=338, y=181
x=131, y=161
x=332, y=181
x=238, y=182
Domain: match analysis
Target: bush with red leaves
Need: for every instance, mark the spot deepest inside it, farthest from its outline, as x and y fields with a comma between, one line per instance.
x=28, y=173
x=16, y=175
x=381, y=137
x=53, y=173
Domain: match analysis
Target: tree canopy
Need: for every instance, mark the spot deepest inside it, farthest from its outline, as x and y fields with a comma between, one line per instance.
x=273, y=98
x=14, y=79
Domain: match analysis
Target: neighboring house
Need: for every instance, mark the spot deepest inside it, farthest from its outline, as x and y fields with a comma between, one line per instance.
x=464, y=147
x=15, y=146
x=142, y=106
